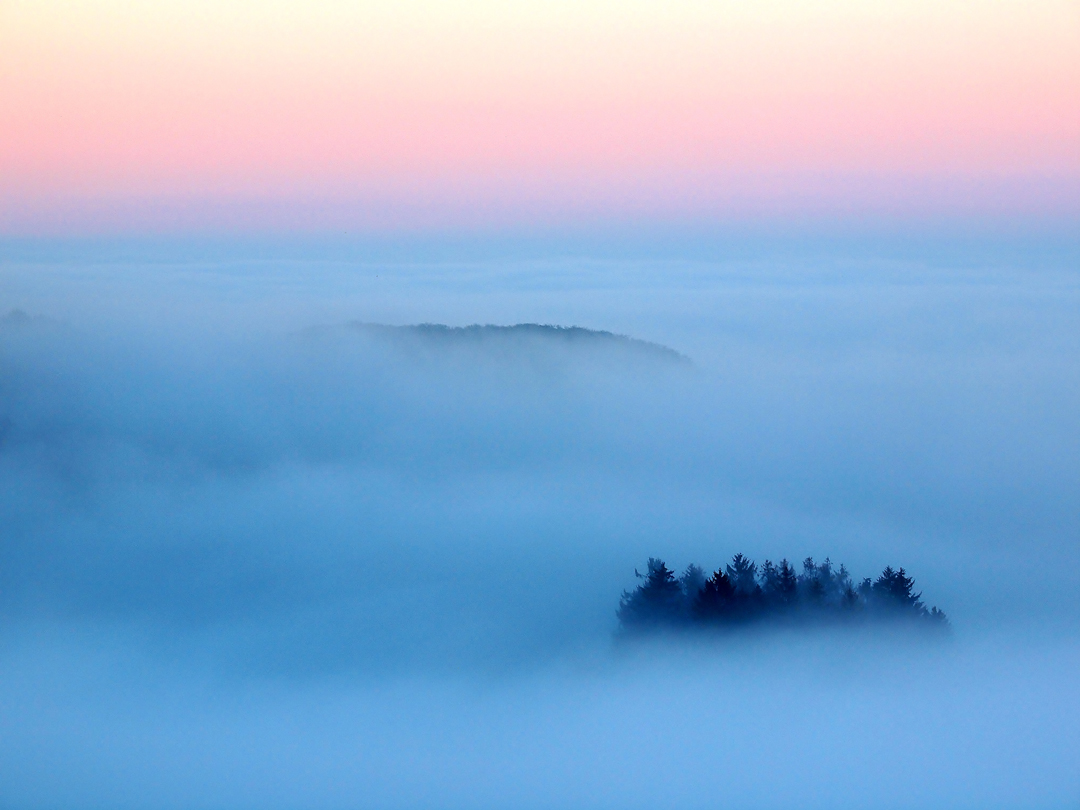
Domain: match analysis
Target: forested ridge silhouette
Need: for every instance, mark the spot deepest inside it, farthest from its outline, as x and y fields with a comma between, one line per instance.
x=518, y=337
x=743, y=593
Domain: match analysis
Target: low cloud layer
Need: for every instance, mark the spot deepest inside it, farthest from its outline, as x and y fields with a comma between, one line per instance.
x=313, y=563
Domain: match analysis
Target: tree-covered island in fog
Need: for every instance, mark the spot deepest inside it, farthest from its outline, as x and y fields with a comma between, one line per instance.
x=744, y=593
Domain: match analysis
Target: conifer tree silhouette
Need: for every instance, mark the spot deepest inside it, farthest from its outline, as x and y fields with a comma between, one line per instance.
x=770, y=582
x=787, y=584
x=743, y=593
x=657, y=600
x=893, y=590
x=743, y=575
x=692, y=581
x=716, y=599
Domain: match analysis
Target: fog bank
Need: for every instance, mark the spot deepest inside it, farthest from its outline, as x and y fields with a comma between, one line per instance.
x=254, y=554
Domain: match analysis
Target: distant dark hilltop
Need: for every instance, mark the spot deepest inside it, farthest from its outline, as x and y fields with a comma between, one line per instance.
x=18, y=318
x=520, y=337
x=744, y=593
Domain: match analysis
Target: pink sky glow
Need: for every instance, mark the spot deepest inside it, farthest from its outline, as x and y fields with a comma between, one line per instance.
x=195, y=117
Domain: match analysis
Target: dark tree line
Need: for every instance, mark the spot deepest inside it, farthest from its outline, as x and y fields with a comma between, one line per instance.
x=743, y=592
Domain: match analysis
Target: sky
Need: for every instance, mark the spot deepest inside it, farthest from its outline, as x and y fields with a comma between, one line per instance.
x=363, y=117
x=252, y=555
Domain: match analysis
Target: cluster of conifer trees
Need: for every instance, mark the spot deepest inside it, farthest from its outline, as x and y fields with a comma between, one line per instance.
x=744, y=592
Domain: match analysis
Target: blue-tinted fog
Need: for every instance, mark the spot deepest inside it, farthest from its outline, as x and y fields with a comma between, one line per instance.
x=253, y=555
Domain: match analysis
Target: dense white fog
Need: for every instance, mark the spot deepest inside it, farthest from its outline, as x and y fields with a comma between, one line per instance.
x=254, y=555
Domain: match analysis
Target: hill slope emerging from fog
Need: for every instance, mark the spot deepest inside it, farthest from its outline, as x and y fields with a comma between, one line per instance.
x=520, y=339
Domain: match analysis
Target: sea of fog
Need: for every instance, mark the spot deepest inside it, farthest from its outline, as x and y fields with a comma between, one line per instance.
x=255, y=556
